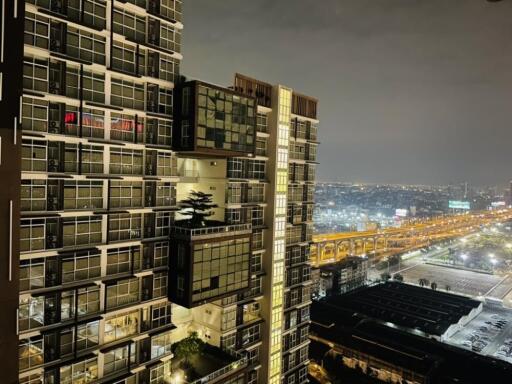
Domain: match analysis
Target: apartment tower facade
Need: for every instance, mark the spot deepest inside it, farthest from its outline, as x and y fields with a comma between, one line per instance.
x=102, y=275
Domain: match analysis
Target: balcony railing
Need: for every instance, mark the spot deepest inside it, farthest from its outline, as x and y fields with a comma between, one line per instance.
x=213, y=231
x=240, y=363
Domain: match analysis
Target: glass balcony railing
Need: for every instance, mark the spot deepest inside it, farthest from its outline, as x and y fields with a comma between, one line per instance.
x=210, y=358
x=217, y=230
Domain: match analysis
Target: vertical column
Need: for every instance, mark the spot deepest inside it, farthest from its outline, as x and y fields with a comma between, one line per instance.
x=11, y=66
x=274, y=263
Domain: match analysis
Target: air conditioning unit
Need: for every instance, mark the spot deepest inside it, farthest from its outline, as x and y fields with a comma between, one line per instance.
x=153, y=39
x=54, y=87
x=53, y=166
x=57, y=6
x=51, y=241
x=54, y=127
x=53, y=203
x=55, y=45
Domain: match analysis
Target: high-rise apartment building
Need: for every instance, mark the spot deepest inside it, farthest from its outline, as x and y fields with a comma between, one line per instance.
x=103, y=275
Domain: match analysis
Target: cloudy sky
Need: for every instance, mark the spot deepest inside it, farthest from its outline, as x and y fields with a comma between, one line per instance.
x=411, y=91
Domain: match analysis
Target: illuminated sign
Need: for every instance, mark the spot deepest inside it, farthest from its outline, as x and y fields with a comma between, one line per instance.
x=498, y=204
x=401, y=212
x=456, y=204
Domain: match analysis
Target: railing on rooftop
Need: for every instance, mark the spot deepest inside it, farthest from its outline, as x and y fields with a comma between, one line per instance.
x=213, y=230
x=241, y=362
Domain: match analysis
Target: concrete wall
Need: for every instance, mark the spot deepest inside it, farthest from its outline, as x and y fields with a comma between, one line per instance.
x=204, y=175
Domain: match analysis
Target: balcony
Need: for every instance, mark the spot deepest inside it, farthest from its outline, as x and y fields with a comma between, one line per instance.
x=217, y=229
x=211, y=365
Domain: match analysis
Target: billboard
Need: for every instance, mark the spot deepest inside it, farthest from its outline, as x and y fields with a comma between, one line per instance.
x=400, y=212
x=456, y=204
x=496, y=204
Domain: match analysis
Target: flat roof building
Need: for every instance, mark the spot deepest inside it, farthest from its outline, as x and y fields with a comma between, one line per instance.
x=434, y=313
x=388, y=344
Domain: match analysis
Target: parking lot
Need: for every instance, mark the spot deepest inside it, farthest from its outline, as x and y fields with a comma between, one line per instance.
x=458, y=280
x=489, y=333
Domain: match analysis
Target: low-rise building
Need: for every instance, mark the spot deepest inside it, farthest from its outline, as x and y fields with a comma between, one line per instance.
x=341, y=277
x=393, y=332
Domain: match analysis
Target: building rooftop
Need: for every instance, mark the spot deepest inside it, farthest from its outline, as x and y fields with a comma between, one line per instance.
x=442, y=363
x=403, y=305
x=350, y=261
x=211, y=365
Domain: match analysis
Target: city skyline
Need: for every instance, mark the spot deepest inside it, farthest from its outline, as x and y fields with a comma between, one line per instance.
x=412, y=93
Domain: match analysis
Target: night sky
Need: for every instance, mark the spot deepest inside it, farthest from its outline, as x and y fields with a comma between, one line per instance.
x=411, y=91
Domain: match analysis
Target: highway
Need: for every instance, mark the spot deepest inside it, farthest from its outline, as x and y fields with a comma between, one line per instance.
x=411, y=235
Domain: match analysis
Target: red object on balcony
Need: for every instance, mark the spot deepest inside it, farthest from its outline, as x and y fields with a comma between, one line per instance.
x=70, y=118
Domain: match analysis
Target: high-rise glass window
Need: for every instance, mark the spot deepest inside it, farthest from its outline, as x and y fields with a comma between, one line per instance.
x=93, y=123
x=171, y=9
x=123, y=57
x=31, y=274
x=35, y=114
x=131, y=26
x=30, y=353
x=32, y=235
x=33, y=155
x=120, y=260
x=161, y=344
x=85, y=45
x=94, y=13
x=92, y=158
x=160, y=315
x=121, y=326
x=166, y=164
x=159, y=284
x=35, y=74
x=125, y=194
x=37, y=30
x=83, y=194
x=87, y=335
x=124, y=226
x=220, y=268
x=33, y=195
x=88, y=300
x=262, y=122
x=72, y=81
x=31, y=313
x=161, y=254
x=83, y=230
x=93, y=88
x=163, y=223
x=170, y=38
x=160, y=373
x=165, y=194
x=159, y=131
x=85, y=371
x=169, y=68
x=122, y=292
x=81, y=266
x=225, y=121
x=127, y=94
x=123, y=127
x=164, y=101
x=126, y=161
x=235, y=168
